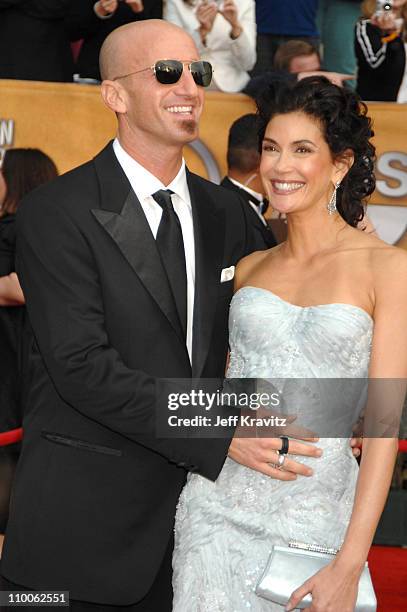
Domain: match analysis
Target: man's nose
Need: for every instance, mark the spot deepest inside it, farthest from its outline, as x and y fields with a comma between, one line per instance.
x=186, y=86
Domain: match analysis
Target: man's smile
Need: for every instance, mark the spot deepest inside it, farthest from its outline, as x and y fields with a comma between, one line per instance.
x=183, y=110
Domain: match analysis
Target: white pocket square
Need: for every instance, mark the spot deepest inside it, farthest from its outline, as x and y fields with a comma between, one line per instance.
x=227, y=274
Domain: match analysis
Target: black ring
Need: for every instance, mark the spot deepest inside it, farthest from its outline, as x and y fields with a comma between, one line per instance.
x=284, y=447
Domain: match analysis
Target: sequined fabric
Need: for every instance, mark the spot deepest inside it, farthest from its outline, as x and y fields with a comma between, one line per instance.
x=224, y=530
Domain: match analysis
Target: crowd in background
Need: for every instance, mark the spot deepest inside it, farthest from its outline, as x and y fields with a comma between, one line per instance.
x=360, y=44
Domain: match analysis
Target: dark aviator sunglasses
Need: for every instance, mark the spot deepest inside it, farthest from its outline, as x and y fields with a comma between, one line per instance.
x=168, y=72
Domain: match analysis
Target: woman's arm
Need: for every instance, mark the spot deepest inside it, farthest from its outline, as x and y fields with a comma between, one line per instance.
x=388, y=361
x=335, y=587
x=10, y=291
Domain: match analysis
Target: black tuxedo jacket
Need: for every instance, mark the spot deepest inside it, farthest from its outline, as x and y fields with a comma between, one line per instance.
x=95, y=493
x=262, y=231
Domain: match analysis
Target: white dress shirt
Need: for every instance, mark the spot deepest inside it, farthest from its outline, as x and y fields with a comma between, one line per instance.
x=258, y=197
x=144, y=185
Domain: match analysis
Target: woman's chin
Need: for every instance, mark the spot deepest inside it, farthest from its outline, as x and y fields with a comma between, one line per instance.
x=282, y=208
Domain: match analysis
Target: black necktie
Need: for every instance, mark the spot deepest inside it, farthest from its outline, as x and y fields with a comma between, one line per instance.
x=264, y=206
x=171, y=248
x=261, y=205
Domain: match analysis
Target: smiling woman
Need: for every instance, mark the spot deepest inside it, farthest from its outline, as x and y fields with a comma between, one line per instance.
x=334, y=139
x=327, y=303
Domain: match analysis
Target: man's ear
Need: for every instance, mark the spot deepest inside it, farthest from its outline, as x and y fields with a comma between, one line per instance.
x=113, y=96
x=342, y=165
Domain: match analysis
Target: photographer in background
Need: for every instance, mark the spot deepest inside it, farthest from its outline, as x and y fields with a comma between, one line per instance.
x=225, y=34
x=380, y=49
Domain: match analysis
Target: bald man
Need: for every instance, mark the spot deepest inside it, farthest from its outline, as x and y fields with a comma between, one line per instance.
x=96, y=490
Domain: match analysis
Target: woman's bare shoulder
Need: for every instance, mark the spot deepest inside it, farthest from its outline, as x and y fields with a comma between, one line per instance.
x=389, y=263
x=377, y=249
x=248, y=264
x=384, y=258
x=388, y=267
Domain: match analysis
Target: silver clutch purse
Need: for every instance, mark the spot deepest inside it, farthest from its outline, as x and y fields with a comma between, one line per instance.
x=289, y=567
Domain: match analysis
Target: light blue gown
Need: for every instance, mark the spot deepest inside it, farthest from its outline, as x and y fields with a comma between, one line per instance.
x=224, y=530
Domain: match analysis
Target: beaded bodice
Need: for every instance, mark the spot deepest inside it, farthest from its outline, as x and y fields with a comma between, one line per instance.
x=270, y=337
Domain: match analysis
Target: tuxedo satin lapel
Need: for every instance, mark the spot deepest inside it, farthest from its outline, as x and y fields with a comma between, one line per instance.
x=209, y=231
x=128, y=227
x=114, y=185
x=227, y=183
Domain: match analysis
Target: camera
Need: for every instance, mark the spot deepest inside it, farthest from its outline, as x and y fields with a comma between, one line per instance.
x=383, y=6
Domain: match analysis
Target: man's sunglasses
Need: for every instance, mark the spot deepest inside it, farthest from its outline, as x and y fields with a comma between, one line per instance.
x=168, y=72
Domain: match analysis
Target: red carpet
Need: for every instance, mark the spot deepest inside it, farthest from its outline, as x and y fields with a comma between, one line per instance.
x=11, y=437
x=388, y=566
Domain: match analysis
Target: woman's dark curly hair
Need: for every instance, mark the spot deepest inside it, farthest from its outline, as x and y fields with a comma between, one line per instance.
x=345, y=125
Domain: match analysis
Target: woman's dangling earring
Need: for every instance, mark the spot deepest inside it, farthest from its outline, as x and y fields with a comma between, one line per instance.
x=331, y=206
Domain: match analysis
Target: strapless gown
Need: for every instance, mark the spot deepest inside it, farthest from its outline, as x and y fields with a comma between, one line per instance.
x=224, y=530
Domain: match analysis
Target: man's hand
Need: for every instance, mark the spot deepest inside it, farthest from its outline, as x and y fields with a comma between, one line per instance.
x=357, y=440
x=260, y=454
x=356, y=446
x=103, y=8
